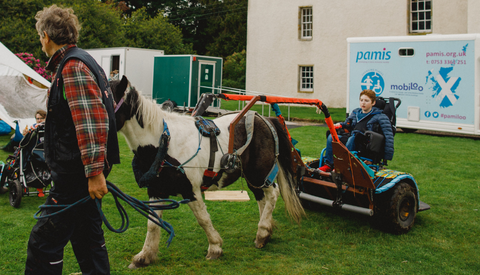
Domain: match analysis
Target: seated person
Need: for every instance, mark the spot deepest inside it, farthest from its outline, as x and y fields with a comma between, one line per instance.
x=365, y=118
x=40, y=116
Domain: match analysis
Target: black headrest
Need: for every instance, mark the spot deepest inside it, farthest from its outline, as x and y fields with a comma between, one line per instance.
x=380, y=103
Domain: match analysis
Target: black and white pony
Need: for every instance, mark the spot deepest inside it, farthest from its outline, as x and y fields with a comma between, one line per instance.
x=142, y=123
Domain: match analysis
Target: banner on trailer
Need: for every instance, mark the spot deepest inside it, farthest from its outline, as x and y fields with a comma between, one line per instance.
x=436, y=76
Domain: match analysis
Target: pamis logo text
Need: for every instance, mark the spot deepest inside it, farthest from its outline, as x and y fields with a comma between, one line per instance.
x=373, y=55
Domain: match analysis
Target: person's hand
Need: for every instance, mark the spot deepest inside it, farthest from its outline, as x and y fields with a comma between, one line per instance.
x=97, y=186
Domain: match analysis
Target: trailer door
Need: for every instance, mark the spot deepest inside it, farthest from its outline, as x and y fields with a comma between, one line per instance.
x=206, y=78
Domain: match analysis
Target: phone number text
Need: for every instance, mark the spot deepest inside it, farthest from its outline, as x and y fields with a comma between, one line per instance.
x=448, y=62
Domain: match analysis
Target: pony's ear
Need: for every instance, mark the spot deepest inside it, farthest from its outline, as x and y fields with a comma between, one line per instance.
x=123, y=84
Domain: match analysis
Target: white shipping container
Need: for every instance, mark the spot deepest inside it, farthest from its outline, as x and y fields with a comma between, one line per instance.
x=135, y=63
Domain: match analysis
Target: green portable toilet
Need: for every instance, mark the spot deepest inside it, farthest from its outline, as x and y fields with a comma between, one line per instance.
x=183, y=78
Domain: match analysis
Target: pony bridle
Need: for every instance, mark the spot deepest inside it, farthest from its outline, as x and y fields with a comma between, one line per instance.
x=119, y=104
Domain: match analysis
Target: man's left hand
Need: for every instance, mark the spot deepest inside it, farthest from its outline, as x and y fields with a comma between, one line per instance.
x=97, y=186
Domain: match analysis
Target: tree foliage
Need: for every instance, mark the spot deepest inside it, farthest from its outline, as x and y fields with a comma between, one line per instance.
x=227, y=25
x=214, y=27
x=17, y=31
x=142, y=31
x=206, y=27
x=234, y=70
x=103, y=25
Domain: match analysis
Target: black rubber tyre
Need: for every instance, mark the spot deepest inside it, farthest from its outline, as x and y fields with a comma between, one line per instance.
x=16, y=193
x=3, y=180
x=169, y=106
x=3, y=189
x=399, y=209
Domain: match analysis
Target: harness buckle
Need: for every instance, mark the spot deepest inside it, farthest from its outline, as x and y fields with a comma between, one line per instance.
x=230, y=162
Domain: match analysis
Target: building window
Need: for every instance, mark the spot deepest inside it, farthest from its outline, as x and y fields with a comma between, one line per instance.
x=306, y=23
x=420, y=16
x=306, y=79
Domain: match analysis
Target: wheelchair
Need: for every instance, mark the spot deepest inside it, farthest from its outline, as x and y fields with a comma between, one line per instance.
x=26, y=169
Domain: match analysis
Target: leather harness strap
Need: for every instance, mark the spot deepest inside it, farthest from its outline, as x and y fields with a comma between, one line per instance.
x=209, y=176
x=208, y=129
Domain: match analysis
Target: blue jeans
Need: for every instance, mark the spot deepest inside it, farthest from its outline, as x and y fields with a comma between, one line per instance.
x=329, y=150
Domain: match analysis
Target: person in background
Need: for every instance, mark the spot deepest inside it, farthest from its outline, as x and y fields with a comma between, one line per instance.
x=113, y=75
x=40, y=116
x=18, y=136
x=80, y=148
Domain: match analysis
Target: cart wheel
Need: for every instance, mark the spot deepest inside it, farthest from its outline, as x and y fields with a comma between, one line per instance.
x=400, y=211
x=16, y=193
x=169, y=105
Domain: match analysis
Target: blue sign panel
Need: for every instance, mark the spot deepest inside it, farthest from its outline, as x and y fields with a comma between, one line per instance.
x=437, y=76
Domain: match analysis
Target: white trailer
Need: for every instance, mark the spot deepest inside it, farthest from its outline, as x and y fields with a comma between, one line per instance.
x=435, y=76
x=135, y=63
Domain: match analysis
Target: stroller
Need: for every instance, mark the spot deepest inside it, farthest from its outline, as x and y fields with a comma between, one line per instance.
x=26, y=168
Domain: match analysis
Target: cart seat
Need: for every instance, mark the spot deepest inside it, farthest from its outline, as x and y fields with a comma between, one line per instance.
x=370, y=146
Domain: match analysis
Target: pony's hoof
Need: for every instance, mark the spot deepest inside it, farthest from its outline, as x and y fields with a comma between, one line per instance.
x=139, y=262
x=136, y=265
x=261, y=242
x=214, y=255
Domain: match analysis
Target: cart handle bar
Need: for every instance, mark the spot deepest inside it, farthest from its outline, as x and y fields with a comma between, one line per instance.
x=275, y=99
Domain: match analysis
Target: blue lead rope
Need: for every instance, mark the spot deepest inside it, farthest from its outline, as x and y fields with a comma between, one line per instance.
x=143, y=207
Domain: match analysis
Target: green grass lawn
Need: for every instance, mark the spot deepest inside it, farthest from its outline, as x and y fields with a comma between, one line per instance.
x=444, y=240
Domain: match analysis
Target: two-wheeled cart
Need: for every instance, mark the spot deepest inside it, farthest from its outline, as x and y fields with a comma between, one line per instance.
x=392, y=197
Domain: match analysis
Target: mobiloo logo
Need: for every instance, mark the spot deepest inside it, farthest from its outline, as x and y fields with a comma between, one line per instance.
x=373, y=55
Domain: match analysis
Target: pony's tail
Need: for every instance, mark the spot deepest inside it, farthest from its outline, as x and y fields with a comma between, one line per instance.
x=286, y=179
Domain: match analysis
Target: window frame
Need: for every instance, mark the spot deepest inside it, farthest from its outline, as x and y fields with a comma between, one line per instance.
x=301, y=78
x=424, y=13
x=302, y=28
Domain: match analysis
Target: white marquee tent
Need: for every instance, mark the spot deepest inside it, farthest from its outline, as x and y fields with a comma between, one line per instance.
x=19, y=100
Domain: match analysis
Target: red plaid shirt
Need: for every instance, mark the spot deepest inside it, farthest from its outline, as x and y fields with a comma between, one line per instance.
x=88, y=112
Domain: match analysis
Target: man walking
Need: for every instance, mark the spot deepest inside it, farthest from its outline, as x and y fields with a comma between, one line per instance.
x=80, y=148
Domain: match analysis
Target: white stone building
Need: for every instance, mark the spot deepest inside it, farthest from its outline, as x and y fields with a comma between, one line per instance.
x=298, y=48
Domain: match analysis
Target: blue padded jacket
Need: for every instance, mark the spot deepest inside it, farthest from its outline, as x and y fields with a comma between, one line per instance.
x=382, y=120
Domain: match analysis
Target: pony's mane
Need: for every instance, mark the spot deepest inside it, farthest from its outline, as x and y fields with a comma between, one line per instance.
x=150, y=112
